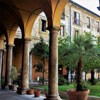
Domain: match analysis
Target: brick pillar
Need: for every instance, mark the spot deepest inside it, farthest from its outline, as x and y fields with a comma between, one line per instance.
x=53, y=65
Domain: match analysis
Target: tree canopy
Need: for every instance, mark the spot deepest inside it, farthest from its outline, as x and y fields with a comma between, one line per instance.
x=85, y=46
x=41, y=49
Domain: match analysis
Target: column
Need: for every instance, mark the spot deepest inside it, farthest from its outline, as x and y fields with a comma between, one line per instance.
x=9, y=65
x=1, y=61
x=25, y=67
x=30, y=68
x=53, y=65
x=1, y=54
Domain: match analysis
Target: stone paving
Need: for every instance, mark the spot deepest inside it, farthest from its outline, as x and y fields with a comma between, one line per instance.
x=11, y=95
x=94, y=98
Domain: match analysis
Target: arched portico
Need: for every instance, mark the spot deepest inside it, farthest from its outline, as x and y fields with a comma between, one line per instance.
x=28, y=11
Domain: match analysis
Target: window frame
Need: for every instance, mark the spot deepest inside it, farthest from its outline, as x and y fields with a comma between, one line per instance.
x=76, y=18
x=62, y=30
x=43, y=25
x=97, y=26
x=88, y=22
x=63, y=15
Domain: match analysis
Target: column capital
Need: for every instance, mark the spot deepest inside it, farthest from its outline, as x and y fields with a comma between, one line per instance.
x=10, y=45
x=27, y=39
x=55, y=28
x=1, y=49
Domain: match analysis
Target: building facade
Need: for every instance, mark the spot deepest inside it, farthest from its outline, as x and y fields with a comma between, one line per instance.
x=75, y=20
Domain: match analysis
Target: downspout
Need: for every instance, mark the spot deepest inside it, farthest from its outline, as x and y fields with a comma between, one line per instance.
x=70, y=26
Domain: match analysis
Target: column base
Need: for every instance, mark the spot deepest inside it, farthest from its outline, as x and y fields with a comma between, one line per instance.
x=21, y=91
x=53, y=98
x=4, y=87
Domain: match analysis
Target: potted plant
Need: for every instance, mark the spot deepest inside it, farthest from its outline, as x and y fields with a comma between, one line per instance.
x=37, y=93
x=3, y=83
x=81, y=92
x=80, y=48
x=14, y=85
x=30, y=91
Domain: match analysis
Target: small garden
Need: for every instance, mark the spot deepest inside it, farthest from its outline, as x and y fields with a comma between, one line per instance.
x=95, y=89
x=79, y=54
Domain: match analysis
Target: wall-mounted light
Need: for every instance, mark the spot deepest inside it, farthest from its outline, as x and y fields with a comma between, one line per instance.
x=99, y=6
x=60, y=68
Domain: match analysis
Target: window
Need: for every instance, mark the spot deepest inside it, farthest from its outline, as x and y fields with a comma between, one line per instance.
x=88, y=22
x=97, y=26
x=63, y=15
x=76, y=33
x=77, y=18
x=43, y=27
x=62, y=30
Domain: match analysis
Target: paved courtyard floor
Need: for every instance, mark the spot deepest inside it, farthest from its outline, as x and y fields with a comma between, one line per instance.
x=11, y=95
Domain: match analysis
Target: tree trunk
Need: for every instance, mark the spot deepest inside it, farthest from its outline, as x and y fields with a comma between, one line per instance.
x=92, y=77
x=43, y=70
x=98, y=73
x=43, y=79
x=67, y=76
x=79, y=75
x=85, y=75
x=71, y=76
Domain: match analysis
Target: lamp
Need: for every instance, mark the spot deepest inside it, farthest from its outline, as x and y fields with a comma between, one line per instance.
x=99, y=6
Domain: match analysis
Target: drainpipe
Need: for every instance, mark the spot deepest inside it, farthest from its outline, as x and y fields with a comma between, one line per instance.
x=70, y=26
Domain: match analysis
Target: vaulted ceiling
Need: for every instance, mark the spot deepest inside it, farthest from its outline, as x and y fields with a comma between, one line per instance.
x=15, y=13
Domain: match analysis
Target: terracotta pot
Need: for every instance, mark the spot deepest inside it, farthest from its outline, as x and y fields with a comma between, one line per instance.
x=14, y=87
x=30, y=91
x=10, y=87
x=37, y=93
x=78, y=95
x=19, y=90
x=3, y=87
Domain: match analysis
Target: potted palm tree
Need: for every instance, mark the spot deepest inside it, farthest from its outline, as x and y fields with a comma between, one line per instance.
x=80, y=47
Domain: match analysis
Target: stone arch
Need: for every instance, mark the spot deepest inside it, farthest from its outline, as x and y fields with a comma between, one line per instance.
x=15, y=18
x=11, y=35
x=58, y=12
x=3, y=32
x=30, y=22
x=2, y=38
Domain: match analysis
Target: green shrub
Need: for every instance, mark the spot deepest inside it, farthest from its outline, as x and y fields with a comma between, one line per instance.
x=93, y=82
x=14, y=74
x=61, y=80
x=98, y=82
x=83, y=85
